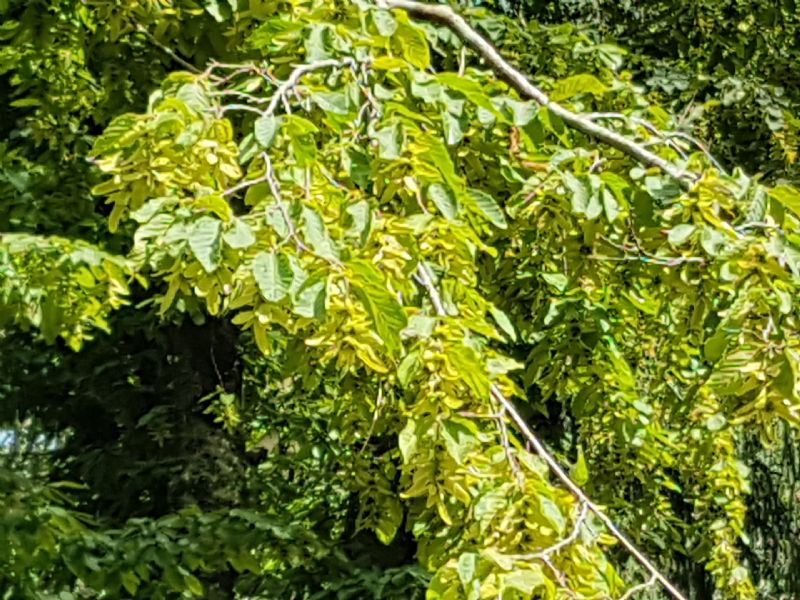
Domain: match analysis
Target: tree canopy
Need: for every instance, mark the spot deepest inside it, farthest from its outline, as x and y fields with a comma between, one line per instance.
x=318, y=299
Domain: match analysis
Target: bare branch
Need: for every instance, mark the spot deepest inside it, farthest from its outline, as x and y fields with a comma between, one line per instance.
x=446, y=16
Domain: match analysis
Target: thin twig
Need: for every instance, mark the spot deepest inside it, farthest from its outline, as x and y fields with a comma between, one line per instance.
x=246, y=184
x=168, y=51
x=275, y=188
x=576, y=530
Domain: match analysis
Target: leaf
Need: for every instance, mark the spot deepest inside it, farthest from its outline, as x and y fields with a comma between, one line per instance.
x=487, y=206
x=578, y=84
x=712, y=240
x=385, y=23
x=332, y=102
x=526, y=581
x=503, y=322
x=50, y=321
x=204, y=240
x=522, y=113
x=610, y=205
x=680, y=233
x=459, y=439
x=580, y=471
x=382, y=307
x=265, y=129
x=407, y=441
x=444, y=199
x=361, y=216
x=193, y=96
x=466, y=362
x=579, y=192
x=193, y=584
x=552, y=514
x=389, y=63
x=413, y=44
x=467, y=564
x=408, y=368
x=389, y=520
x=273, y=274
x=473, y=90
x=310, y=299
x=389, y=144
x=558, y=280
x=453, y=131
x=240, y=235
x=787, y=196
x=316, y=234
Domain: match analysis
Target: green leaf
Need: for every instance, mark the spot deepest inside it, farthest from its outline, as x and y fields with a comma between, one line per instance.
x=382, y=307
x=332, y=102
x=389, y=142
x=459, y=438
x=413, y=44
x=487, y=206
x=526, y=581
x=788, y=196
x=467, y=566
x=385, y=23
x=204, y=240
x=407, y=441
x=193, y=96
x=193, y=584
x=552, y=514
x=361, y=217
x=580, y=471
x=712, y=240
x=316, y=234
x=310, y=299
x=578, y=84
x=265, y=129
x=610, y=205
x=503, y=322
x=579, y=192
x=444, y=199
x=558, y=280
x=453, y=131
x=239, y=235
x=273, y=274
x=408, y=368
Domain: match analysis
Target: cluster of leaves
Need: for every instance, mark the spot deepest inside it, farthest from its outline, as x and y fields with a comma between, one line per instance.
x=398, y=234
x=579, y=279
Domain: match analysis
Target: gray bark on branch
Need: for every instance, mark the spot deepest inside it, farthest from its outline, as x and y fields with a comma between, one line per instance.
x=445, y=15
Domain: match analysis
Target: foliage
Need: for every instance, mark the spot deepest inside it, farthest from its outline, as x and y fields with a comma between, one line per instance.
x=396, y=233
x=727, y=67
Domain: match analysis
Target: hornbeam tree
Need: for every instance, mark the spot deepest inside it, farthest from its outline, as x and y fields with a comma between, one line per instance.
x=439, y=254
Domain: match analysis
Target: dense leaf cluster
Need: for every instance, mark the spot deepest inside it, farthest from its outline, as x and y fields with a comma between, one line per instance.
x=340, y=239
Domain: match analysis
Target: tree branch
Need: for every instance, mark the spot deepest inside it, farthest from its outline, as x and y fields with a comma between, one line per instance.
x=446, y=16
x=552, y=463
